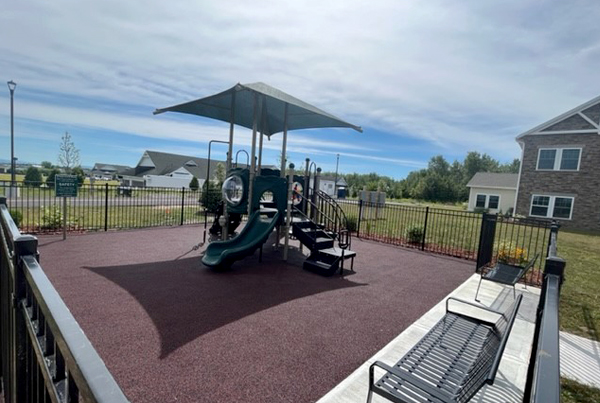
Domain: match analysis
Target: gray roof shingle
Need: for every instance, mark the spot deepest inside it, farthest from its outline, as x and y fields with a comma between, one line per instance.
x=494, y=180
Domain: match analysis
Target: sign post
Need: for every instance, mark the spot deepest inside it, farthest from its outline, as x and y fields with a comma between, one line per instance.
x=65, y=186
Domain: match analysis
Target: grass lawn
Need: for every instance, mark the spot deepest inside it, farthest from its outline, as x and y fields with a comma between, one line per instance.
x=574, y=392
x=580, y=295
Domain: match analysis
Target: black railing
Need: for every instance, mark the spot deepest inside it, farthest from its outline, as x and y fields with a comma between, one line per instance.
x=102, y=207
x=543, y=375
x=45, y=356
x=332, y=215
x=450, y=232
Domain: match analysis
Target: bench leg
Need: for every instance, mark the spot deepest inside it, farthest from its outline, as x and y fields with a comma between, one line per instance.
x=352, y=264
x=477, y=293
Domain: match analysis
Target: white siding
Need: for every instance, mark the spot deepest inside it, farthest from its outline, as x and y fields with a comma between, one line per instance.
x=507, y=198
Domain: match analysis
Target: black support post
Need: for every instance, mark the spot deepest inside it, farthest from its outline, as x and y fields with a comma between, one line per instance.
x=106, y=207
x=360, y=211
x=182, y=203
x=425, y=228
x=23, y=245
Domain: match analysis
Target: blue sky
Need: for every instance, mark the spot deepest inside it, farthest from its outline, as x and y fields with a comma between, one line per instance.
x=421, y=78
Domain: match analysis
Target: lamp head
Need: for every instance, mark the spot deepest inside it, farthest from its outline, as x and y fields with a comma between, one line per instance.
x=11, y=85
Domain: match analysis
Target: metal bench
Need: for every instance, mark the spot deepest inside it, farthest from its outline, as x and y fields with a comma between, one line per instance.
x=504, y=273
x=451, y=362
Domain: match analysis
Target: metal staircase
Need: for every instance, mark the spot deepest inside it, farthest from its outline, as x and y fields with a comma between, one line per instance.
x=319, y=227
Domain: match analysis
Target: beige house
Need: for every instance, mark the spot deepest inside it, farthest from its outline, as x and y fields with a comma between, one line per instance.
x=494, y=192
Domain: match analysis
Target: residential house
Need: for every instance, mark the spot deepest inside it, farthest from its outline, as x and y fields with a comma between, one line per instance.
x=494, y=192
x=327, y=185
x=107, y=171
x=158, y=169
x=560, y=169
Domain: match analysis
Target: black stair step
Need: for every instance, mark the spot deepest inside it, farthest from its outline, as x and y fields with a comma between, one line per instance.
x=305, y=224
x=319, y=267
x=323, y=243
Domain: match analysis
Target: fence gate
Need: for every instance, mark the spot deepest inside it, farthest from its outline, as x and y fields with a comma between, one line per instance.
x=486, y=239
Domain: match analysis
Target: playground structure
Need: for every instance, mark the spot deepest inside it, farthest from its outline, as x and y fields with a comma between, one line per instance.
x=272, y=199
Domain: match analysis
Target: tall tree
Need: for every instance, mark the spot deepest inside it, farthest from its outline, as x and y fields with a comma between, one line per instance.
x=68, y=157
x=33, y=177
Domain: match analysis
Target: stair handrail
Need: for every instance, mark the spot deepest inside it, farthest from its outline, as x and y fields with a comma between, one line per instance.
x=341, y=221
x=313, y=230
x=318, y=211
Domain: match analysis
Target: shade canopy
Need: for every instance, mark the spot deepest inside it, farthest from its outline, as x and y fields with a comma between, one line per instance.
x=241, y=99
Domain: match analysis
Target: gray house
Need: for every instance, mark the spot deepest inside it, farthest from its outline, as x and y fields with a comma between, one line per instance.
x=107, y=171
x=158, y=169
x=494, y=192
x=560, y=169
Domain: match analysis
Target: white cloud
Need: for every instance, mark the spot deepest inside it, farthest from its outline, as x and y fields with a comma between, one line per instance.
x=461, y=75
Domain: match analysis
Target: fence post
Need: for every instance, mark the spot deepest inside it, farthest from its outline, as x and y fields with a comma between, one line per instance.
x=106, y=207
x=360, y=211
x=425, y=228
x=485, y=249
x=23, y=245
x=182, y=203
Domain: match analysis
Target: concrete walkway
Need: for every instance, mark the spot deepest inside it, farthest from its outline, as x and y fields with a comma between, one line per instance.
x=580, y=359
x=510, y=380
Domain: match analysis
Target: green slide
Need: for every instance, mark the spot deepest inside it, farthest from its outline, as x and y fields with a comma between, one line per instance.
x=254, y=234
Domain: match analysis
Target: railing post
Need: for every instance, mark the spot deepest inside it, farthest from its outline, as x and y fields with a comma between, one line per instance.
x=182, y=203
x=425, y=228
x=106, y=207
x=23, y=245
x=487, y=234
x=360, y=211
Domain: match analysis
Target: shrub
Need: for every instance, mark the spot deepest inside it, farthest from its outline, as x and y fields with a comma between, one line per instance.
x=17, y=217
x=510, y=253
x=414, y=234
x=52, y=217
x=211, y=198
x=351, y=223
x=480, y=210
x=194, y=185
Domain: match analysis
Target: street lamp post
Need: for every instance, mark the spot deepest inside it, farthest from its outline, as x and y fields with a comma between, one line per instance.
x=11, y=87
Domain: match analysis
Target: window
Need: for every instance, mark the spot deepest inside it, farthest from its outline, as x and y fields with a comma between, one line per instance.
x=480, y=201
x=559, y=159
x=487, y=201
x=551, y=206
x=493, y=201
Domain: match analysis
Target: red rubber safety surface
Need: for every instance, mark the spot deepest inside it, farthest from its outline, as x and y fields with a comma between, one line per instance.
x=172, y=330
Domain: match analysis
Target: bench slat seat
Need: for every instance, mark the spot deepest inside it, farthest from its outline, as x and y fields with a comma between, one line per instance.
x=507, y=274
x=451, y=362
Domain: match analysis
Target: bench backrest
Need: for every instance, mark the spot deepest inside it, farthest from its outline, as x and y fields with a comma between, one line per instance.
x=527, y=267
x=486, y=367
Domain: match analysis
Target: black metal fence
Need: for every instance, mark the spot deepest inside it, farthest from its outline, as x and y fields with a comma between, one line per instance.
x=451, y=232
x=104, y=207
x=543, y=377
x=44, y=354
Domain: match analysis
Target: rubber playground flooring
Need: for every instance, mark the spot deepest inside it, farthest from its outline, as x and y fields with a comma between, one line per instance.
x=171, y=330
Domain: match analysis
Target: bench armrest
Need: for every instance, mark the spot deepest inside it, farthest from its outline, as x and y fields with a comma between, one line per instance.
x=408, y=378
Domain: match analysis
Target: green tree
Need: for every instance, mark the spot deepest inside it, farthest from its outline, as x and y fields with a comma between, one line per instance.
x=33, y=177
x=50, y=178
x=220, y=173
x=194, y=185
x=68, y=157
x=78, y=171
x=46, y=165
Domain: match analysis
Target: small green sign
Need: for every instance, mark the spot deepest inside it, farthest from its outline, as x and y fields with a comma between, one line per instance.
x=66, y=185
